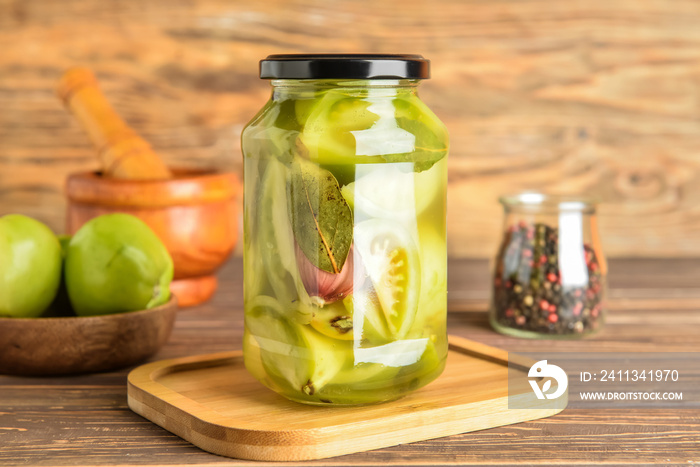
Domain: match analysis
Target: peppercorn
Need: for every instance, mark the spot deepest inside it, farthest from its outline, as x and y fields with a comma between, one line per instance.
x=533, y=295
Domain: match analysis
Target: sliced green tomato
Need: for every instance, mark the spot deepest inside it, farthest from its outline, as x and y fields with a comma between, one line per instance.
x=367, y=310
x=328, y=129
x=252, y=358
x=303, y=108
x=287, y=118
x=393, y=191
x=432, y=304
x=432, y=140
x=429, y=367
x=273, y=133
x=400, y=353
x=357, y=317
x=333, y=320
x=340, y=129
x=305, y=101
x=380, y=368
x=255, y=276
x=276, y=237
x=295, y=357
x=433, y=252
x=391, y=260
x=274, y=229
x=305, y=105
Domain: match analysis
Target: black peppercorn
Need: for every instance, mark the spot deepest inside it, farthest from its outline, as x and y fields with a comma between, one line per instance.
x=529, y=291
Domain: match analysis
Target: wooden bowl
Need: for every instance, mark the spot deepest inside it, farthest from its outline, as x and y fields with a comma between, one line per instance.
x=77, y=344
x=195, y=214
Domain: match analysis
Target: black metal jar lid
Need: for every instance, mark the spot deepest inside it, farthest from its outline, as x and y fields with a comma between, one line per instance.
x=344, y=66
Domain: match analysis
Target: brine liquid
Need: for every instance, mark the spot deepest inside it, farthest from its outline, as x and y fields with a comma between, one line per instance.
x=381, y=339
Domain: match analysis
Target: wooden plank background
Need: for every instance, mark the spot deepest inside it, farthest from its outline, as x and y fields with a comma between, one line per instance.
x=580, y=96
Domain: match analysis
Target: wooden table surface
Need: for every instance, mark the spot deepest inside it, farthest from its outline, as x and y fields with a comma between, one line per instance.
x=655, y=306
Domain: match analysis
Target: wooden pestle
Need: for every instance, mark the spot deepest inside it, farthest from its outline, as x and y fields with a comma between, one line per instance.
x=122, y=152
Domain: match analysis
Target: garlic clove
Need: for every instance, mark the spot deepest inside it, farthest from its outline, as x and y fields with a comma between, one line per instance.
x=327, y=286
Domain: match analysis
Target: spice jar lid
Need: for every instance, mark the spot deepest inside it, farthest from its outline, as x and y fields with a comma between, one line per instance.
x=545, y=202
x=344, y=66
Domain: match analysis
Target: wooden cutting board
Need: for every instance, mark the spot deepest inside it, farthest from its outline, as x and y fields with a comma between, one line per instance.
x=212, y=402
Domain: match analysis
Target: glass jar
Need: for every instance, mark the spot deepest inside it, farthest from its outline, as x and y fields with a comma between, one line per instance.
x=344, y=230
x=550, y=273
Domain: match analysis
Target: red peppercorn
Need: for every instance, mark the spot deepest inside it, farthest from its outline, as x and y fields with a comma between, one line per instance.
x=552, y=308
x=543, y=259
x=553, y=318
x=551, y=277
x=544, y=304
x=509, y=313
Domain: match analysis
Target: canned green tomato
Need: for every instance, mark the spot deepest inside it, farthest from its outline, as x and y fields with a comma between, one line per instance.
x=345, y=268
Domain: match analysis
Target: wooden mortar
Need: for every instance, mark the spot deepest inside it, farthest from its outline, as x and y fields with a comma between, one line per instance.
x=195, y=214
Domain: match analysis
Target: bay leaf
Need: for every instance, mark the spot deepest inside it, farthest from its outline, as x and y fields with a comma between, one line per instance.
x=321, y=218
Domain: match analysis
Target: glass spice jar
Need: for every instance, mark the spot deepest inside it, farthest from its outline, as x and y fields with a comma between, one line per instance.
x=549, y=276
x=345, y=259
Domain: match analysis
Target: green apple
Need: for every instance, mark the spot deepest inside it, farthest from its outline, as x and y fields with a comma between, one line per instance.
x=30, y=266
x=115, y=263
